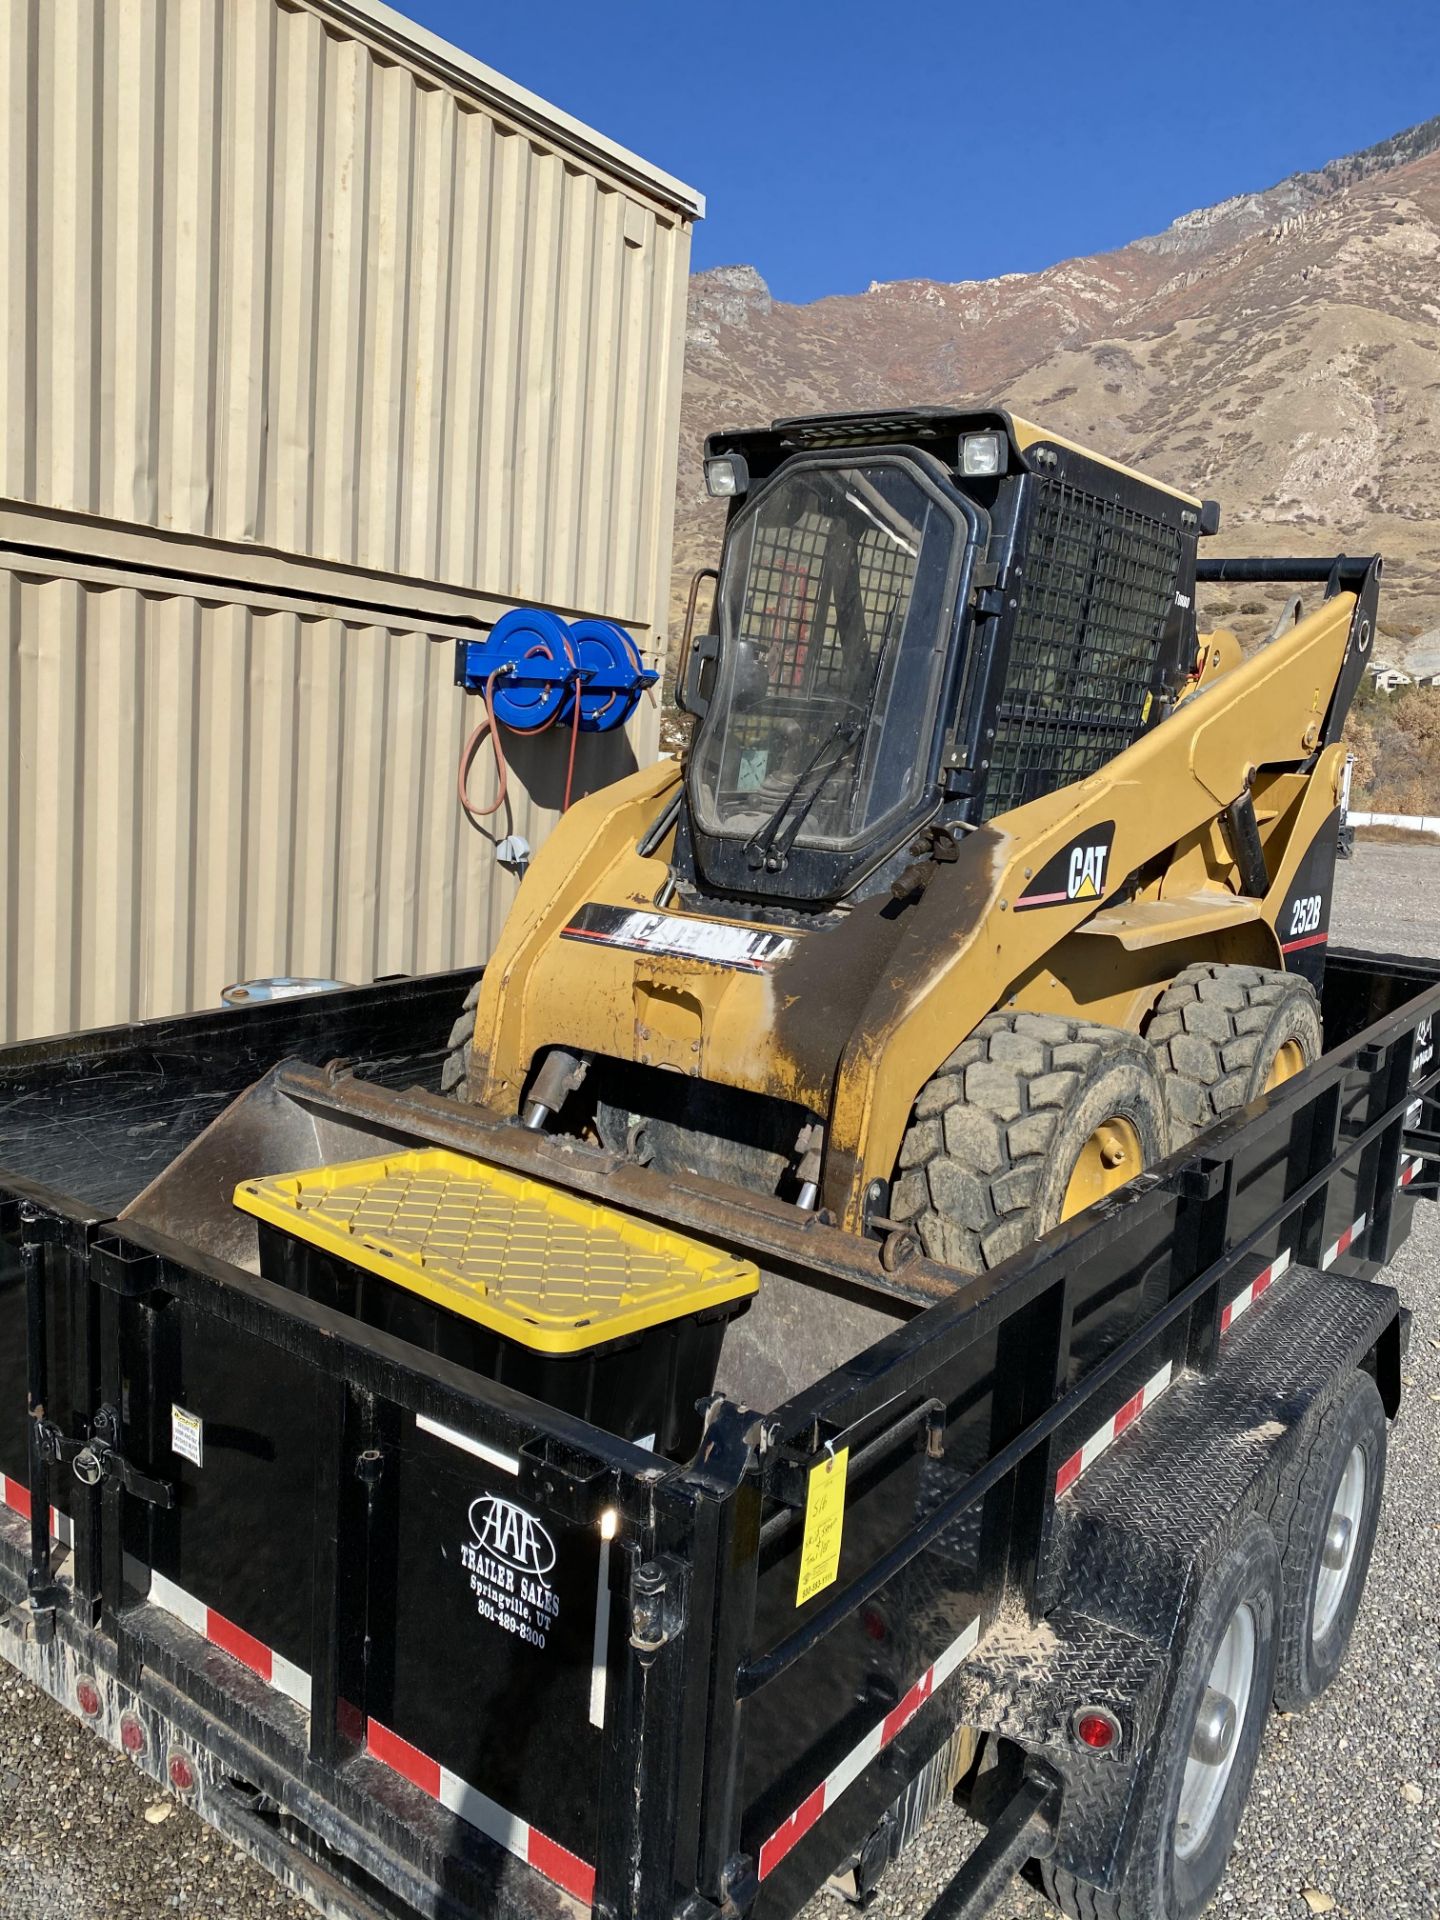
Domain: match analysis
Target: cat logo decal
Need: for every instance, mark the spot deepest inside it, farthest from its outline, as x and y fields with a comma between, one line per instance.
x=1079, y=871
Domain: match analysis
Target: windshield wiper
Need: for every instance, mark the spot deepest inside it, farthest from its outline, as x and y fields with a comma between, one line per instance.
x=760, y=847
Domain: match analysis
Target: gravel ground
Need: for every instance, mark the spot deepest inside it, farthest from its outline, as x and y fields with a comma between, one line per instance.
x=1346, y=1804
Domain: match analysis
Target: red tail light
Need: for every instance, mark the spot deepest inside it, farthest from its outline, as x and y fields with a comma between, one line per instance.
x=132, y=1734
x=182, y=1774
x=1097, y=1728
x=87, y=1698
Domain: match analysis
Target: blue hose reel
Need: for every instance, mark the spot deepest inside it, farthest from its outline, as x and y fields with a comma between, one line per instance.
x=536, y=659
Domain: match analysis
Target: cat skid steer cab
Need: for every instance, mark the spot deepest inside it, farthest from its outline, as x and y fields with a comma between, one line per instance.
x=986, y=879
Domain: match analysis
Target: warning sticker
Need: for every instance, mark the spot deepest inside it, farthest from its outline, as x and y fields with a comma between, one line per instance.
x=741, y=948
x=824, y=1526
x=187, y=1436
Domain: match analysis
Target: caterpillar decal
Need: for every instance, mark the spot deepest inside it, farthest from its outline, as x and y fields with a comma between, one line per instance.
x=1080, y=871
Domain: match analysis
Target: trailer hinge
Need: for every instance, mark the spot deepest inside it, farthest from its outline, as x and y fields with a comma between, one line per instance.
x=33, y=1618
x=739, y=1890
x=657, y=1604
x=98, y=1459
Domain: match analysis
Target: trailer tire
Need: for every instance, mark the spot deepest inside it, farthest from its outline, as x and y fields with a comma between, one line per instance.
x=1160, y=1882
x=1225, y=1035
x=455, y=1074
x=1338, y=1476
x=993, y=1154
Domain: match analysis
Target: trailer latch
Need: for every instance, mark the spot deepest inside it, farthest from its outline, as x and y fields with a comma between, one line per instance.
x=98, y=1459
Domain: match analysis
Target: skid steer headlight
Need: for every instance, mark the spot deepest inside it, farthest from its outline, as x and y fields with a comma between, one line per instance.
x=982, y=454
x=726, y=476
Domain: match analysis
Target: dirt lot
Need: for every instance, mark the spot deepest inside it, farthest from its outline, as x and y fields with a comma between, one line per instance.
x=1346, y=1806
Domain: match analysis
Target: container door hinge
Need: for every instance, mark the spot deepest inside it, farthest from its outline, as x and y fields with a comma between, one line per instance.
x=99, y=1459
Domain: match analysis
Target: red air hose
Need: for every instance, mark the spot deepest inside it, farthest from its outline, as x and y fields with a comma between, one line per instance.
x=491, y=726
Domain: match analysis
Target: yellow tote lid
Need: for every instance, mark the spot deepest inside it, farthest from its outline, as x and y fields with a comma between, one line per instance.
x=556, y=1273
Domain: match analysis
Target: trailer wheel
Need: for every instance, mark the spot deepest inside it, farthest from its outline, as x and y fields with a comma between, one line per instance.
x=1326, y=1512
x=1030, y=1120
x=1203, y=1753
x=455, y=1074
x=1225, y=1035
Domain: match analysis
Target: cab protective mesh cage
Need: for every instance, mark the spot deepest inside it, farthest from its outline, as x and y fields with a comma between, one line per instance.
x=790, y=604
x=1097, y=588
x=791, y=614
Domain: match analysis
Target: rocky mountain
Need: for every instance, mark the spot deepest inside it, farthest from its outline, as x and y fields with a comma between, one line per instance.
x=1280, y=351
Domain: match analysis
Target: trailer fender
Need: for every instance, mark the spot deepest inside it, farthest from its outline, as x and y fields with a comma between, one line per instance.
x=1384, y=1359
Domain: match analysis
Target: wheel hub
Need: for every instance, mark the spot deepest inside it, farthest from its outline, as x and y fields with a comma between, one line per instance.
x=1214, y=1736
x=1111, y=1156
x=1337, y=1553
x=1215, y=1726
x=1288, y=1061
x=1337, y=1543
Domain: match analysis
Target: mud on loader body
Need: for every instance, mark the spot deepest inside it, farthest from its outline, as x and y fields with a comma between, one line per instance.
x=985, y=880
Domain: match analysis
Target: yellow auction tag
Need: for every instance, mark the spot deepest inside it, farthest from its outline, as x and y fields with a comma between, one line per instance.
x=824, y=1525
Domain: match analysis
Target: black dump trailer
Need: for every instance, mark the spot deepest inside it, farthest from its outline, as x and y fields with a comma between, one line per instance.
x=1045, y=1545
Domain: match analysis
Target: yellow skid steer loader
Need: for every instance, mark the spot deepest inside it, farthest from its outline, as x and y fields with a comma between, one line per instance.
x=985, y=880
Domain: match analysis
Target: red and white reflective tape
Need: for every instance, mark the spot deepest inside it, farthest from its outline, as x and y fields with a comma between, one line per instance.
x=527, y=1843
x=272, y=1667
x=790, y=1832
x=1409, y=1167
x=1107, y=1435
x=16, y=1495
x=1247, y=1296
x=1344, y=1243
x=567, y=1870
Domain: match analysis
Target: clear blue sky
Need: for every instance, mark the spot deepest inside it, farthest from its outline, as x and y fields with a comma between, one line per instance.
x=843, y=140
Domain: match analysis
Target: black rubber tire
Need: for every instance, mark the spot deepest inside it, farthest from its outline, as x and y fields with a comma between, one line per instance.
x=995, y=1134
x=1158, y=1884
x=1217, y=1031
x=455, y=1074
x=1300, y=1516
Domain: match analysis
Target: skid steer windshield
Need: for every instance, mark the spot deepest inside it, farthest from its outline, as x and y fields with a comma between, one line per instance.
x=832, y=600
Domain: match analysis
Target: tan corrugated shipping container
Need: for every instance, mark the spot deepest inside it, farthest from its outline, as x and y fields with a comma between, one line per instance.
x=322, y=341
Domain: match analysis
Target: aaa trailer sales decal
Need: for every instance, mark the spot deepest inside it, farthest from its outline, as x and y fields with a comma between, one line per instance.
x=509, y=1559
x=675, y=935
x=1078, y=872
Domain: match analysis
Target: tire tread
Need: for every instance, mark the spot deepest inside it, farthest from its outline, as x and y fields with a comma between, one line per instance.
x=968, y=1184
x=1301, y=1492
x=1209, y=1027
x=455, y=1073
